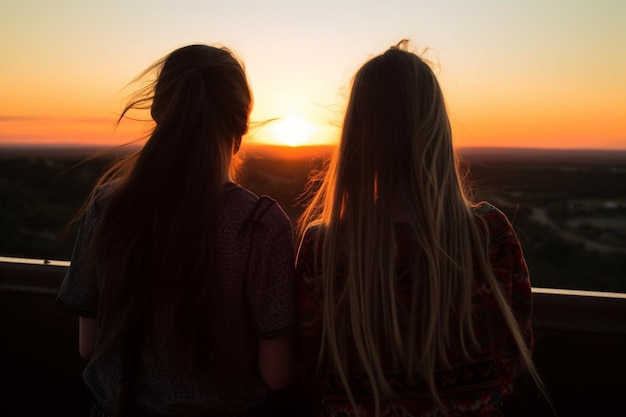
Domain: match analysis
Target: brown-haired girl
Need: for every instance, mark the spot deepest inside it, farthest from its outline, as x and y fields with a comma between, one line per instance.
x=183, y=279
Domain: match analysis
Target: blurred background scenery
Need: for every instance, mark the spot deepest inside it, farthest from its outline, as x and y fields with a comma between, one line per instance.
x=567, y=206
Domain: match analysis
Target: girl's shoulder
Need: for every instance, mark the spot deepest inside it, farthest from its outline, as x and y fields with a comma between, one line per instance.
x=312, y=237
x=260, y=210
x=99, y=199
x=314, y=230
x=487, y=210
x=491, y=216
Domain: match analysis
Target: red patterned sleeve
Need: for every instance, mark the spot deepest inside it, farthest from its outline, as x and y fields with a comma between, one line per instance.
x=521, y=297
x=509, y=266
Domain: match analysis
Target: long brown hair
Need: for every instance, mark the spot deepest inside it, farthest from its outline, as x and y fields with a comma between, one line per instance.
x=396, y=162
x=156, y=238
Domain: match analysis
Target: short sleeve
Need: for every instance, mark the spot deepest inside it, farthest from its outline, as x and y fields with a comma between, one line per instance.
x=270, y=284
x=79, y=290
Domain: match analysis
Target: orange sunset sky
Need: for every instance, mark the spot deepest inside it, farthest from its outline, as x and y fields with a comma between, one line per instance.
x=540, y=74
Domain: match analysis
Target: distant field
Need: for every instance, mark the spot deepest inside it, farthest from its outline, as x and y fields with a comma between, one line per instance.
x=568, y=207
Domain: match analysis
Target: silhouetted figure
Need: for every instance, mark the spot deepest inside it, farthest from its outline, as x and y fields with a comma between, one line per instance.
x=183, y=279
x=412, y=300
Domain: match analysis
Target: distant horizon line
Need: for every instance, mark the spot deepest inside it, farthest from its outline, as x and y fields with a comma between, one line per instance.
x=294, y=149
x=252, y=151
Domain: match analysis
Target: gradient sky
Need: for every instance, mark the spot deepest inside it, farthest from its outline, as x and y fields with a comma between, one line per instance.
x=548, y=74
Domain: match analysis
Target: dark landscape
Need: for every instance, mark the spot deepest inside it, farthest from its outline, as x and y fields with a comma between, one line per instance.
x=567, y=206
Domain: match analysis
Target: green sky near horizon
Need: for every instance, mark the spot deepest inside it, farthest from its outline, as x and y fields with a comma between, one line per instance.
x=516, y=74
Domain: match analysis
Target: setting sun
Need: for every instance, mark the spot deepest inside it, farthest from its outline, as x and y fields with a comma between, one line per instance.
x=291, y=131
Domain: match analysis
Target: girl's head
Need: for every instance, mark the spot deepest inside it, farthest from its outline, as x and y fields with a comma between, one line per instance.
x=200, y=102
x=396, y=126
x=203, y=84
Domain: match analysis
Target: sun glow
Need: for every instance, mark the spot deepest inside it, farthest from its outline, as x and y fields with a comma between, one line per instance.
x=291, y=131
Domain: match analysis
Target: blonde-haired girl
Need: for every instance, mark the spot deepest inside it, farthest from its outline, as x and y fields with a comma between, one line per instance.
x=412, y=300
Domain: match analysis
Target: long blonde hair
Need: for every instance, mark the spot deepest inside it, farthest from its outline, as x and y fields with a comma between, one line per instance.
x=396, y=162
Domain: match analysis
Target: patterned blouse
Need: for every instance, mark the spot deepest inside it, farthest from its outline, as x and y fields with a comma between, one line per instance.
x=476, y=387
x=244, y=308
